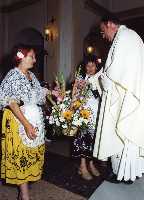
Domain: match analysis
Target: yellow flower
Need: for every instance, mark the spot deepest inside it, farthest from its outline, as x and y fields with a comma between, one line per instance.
x=85, y=113
x=67, y=114
x=76, y=104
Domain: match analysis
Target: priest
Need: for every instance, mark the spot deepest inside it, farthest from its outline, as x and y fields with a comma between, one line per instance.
x=120, y=128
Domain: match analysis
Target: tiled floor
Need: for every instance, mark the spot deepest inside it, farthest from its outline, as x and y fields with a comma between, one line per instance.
x=40, y=191
x=60, y=180
x=63, y=170
x=60, y=146
x=61, y=183
x=120, y=191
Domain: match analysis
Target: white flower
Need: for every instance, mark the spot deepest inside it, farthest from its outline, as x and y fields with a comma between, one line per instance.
x=64, y=126
x=68, y=91
x=85, y=121
x=57, y=122
x=62, y=106
x=47, y=117
x=77, y=123
x=62, y=119
x=66, y=99
x=51, y=120
x=20, y=54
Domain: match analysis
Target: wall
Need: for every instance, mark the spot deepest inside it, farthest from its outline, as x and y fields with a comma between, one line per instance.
x=17, y=20
x=122, y=5
x=2, y=39
x=83, y=21
x=30, y=16
x=34, y=16
x=73, y=22
x=104, y=3
x=52, y=47
x=66, y=37
x=1, y=34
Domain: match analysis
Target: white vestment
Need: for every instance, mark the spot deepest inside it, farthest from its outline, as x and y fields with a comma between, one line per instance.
x=93, y=102
x=121, y=114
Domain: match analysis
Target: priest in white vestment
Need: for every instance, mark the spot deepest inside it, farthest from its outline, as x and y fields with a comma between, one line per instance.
x=120, y=129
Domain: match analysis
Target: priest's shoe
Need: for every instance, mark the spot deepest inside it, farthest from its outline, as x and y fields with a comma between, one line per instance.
x=129, y=182
x=112, y=178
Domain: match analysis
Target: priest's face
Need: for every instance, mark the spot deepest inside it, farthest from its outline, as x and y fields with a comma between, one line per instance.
x=91, y=68
x=106, y=30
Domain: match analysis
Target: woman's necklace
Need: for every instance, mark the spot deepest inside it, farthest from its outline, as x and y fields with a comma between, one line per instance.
x=27, y=75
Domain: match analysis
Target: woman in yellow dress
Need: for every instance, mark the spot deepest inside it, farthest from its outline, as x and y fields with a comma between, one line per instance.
x=22, y=125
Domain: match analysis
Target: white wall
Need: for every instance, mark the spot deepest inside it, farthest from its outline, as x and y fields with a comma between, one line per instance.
x=73, y=22
x=34, y=16
x=66, y=37
x=83, y=21
x=30, y=16
x=52, y=60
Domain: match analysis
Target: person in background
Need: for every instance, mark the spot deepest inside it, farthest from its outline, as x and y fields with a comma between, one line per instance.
x=83, y=141
x=21, y=97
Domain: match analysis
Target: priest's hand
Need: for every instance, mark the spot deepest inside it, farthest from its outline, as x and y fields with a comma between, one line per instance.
x=106, y=82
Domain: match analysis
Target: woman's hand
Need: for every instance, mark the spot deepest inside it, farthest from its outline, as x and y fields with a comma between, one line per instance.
x=31, y=131
x=46, y=91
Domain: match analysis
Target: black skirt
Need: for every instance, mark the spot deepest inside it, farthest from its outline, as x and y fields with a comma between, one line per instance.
x=83, y=144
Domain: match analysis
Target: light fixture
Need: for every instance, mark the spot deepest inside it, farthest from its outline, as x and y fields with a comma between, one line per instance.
x=48, y=34
x=49, y=29
x=90, y=49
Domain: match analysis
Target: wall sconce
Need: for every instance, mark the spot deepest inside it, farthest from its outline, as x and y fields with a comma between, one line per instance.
x=49, y=30
x=48, y=34
x=90, y=49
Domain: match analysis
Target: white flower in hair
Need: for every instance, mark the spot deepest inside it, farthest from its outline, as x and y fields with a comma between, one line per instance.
x=20, y=55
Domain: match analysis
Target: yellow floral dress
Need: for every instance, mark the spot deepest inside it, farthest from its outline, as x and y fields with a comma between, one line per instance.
x=21, y=161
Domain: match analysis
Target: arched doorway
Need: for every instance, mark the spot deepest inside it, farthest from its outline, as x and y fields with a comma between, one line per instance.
x=31, y=36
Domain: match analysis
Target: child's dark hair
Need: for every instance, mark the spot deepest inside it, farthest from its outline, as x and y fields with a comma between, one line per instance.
x=90, y=58
x=86, y=60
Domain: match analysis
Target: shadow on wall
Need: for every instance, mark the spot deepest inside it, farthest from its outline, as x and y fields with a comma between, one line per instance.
x=30, y=37
x=136, y=24
x=5, y=65
x=94, y=39
x=100, y=49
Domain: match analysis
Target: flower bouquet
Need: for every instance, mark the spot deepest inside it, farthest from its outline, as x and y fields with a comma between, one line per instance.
x=68, y=112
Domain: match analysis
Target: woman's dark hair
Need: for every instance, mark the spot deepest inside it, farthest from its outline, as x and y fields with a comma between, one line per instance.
x=23, y=50
x=86, y=60
x=110, y=17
